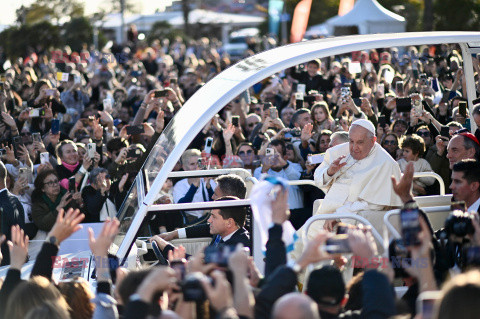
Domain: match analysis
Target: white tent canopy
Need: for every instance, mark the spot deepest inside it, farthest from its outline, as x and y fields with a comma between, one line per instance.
x=175, y=19
x=369, y=17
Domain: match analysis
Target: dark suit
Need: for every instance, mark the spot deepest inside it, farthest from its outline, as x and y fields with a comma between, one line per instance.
x=12, y=213
x=241, y=235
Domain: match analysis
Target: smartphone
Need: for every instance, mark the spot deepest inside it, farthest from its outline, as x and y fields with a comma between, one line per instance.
x=301, y=88
x=50, y=92
x=446, y=95
x=473, y=256
x=91, y=150
x=55, y=128
x=44, y=158
x=462, y=108
x=34, y=112
x=71, y=184
x=17, y=141
x=134, y=153
x=23, y=173
x=381, y=89
x=399, y=87
x=344, y=92
x=426, y=302
x=410, y=223
x=36, y=137
x=445, y=131
x=267, y=105
x=179, y=267
x=135, y=129
x=208, y=145
x=338, y=244
x=315, y=158
x=236, y=120
x=160, y=93
x=382, y=120
x=269, y=152
x=200, y=164
x=218, y=254
x=273, y=113
x=417, y=104
x=403, y=104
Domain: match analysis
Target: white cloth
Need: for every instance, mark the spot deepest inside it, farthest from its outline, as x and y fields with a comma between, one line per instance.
x=261, y=198
x=362, y=186
x=365, y=124
x=292, y=172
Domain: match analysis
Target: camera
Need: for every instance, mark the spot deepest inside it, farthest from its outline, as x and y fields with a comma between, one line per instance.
x=218, y=255
x=192, y=288
x=459, y=223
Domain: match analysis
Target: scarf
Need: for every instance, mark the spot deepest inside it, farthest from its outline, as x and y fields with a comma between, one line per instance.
x=52, y=206
x=70, y=167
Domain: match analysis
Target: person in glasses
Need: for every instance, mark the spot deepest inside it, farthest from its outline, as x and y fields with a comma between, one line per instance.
x=424, y=132
x=48, y=198
x=247, y=154
x=101, y=197
x=390, y=144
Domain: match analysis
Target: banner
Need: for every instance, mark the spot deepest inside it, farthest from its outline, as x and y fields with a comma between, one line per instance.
x=345, y=6
x=275, y=8
x=300, y=20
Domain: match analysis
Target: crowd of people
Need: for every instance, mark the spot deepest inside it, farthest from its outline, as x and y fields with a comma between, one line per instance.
x=76, y=127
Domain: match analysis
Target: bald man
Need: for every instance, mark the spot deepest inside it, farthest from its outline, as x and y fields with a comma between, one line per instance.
x=295, y=306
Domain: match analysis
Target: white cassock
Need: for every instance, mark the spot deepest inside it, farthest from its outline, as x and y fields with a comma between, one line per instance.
x=362, y=186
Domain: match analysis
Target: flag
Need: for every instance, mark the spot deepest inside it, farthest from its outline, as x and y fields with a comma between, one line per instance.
x=261, y=198
x=300, y=20
x=345, y=6
x=275, y=8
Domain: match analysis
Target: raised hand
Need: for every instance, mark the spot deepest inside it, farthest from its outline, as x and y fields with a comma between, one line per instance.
x=18, y=247
x=66, y=225
x=100, y=245
x=336, y=166
x=280, y=211
x=306, y=132
x=403, y=187
x=228, y=132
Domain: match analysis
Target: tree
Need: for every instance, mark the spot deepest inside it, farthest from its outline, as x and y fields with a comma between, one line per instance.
x=459, y=15
x=76, y=32
x=163, y=30
x=49, y=10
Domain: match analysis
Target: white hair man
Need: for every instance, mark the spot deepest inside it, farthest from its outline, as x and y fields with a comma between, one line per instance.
x=355, y=177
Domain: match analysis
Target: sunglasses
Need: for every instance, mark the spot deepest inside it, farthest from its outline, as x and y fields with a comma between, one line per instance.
x=249, y=152
x=387, y=142
x=252, y=124
x=423, y=133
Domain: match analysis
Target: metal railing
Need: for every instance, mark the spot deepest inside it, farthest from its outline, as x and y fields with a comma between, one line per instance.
x=434, y=175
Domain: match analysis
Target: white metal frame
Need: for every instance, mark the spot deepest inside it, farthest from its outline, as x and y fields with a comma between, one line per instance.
x=434, y=175
x=390, y=213
x=216, y=93
x=360, y=219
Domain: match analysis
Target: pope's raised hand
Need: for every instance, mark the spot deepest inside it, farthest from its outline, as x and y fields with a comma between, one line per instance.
x=336, y=166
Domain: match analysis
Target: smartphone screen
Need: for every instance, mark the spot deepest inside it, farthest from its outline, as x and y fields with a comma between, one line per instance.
x=399, y=87
x=409, y=221
x=462, y=108
x=135, y=130
x=404, y=104
x=160, y=93
x=236, y=120
x=382, y=121
x=55, y=126
x=445, y=131
x=338, y=244
x=71, y=185
x=208, y=145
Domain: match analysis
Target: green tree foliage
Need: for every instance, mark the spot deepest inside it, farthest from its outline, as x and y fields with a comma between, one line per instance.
x=458, y=15
x=17, y=40
x=49, y=10
x=161, y=30
x=76, y=32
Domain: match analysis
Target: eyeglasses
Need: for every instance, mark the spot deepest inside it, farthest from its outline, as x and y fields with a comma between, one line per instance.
x=423, y=133
x=249, y=152
x=51, y=183
x=289, y=146
x=387, y=142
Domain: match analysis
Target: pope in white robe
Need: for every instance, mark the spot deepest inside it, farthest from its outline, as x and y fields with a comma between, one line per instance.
x=356, y=178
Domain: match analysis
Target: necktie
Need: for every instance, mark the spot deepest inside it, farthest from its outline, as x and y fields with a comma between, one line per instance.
x=217, y=240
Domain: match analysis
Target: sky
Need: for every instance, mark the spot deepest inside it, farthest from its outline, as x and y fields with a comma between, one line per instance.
x=8, y=7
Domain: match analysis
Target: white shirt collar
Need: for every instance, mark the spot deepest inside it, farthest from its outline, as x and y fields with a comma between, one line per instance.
x=229, y=236
x=474, y=206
